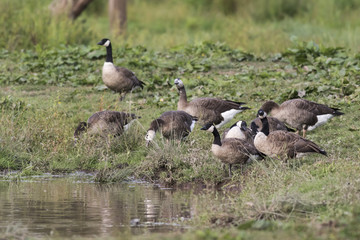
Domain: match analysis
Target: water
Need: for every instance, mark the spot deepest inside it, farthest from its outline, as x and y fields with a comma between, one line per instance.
x=76, y=206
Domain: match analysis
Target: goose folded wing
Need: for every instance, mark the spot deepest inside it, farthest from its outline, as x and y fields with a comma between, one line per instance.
x=115, y=117
x=241, y=146
x=315, y=108
x=128, y=74
x=215, y=104
x=303, y=145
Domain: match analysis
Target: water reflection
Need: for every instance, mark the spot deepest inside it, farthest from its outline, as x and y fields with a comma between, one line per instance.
x=65, y=207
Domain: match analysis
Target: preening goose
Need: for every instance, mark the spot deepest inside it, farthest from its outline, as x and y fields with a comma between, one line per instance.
x=118, y=79
x=173, y=125
x=208, y=110
x=300, y=113
x=274, y=124
x=105, y=123
x=230, y=150
x=281, y=143
x=239, y=130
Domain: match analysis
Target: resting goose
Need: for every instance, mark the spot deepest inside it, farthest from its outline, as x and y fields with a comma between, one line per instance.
x=230, y=150
x=239, y=130
x=105, y=123
x=173, y=124
x=118, y=79
x=208, y=110
x=300, y=113
x=281, y=143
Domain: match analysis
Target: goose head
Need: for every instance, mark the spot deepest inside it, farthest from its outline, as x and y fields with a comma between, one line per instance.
x=242, y=125
x=179, y=84
x=261, y=114
x=104, y=42
x=150, y=135
x=208, y=127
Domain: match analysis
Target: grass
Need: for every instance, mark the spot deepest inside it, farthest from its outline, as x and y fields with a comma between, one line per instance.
x=316, y=195
x=55, y=82
x=258, y=26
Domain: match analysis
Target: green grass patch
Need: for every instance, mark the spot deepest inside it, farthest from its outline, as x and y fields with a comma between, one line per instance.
x=316, y=195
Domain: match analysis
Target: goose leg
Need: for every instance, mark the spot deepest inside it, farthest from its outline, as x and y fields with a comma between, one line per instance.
x=304, y=132
x=230, y=170
x=122, y=96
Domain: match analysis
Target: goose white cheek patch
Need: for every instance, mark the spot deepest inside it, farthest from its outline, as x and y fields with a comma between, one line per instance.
x=150, y=135
x=192, y=125
x=107, y=43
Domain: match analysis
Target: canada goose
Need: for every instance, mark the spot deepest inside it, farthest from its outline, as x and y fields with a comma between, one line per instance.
x=239, y=130
x=281, y=143
x=118, y=79
x=105, y=123
x=300, y=113
x=230, y=150
x=274, y=124
x=208, y=110
x=173, y=124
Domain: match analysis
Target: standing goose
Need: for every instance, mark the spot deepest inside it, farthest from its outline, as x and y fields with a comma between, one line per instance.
x=300, y=113
x=105, y=123
x=230, y=150
x=173, y=124
x=239, y=130
x=208, y=110
x=118, y=79
x=281, y=143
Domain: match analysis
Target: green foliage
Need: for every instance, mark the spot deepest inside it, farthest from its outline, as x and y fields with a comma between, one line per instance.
x=39, y=116
x=30, y=23
x=257, y=26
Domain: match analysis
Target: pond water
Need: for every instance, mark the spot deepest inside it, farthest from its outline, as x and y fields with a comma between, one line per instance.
x=68, y=206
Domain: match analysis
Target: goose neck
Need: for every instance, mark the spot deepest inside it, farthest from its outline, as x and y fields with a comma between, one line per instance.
x=183, y=97
x=109, y=57
x=265, y=126
x=270, y=107
x=217, y=140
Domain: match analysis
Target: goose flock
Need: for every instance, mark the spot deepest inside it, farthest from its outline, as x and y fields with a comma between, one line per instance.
x=275, y=136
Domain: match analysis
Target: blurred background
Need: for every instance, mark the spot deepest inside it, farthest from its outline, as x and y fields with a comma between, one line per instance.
x=258, y=26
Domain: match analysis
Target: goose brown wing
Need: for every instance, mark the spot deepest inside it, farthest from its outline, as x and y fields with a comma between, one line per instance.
x=177, y=119
x=304, y=145
x=282, y=142
x=215, y=104
x=274, y=124
x=282, y=137
x=130, y=76
x=239, y=146
x=119, y=118
x=316, y=108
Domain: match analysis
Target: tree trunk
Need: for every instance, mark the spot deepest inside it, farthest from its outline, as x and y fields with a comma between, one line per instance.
x=117, y=15
x=71, y=7
x=77, y=7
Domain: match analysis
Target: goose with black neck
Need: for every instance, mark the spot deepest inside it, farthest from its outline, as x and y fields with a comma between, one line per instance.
x=231, y=150
x=118, y=79
x=281, y=144
x=208, y=110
